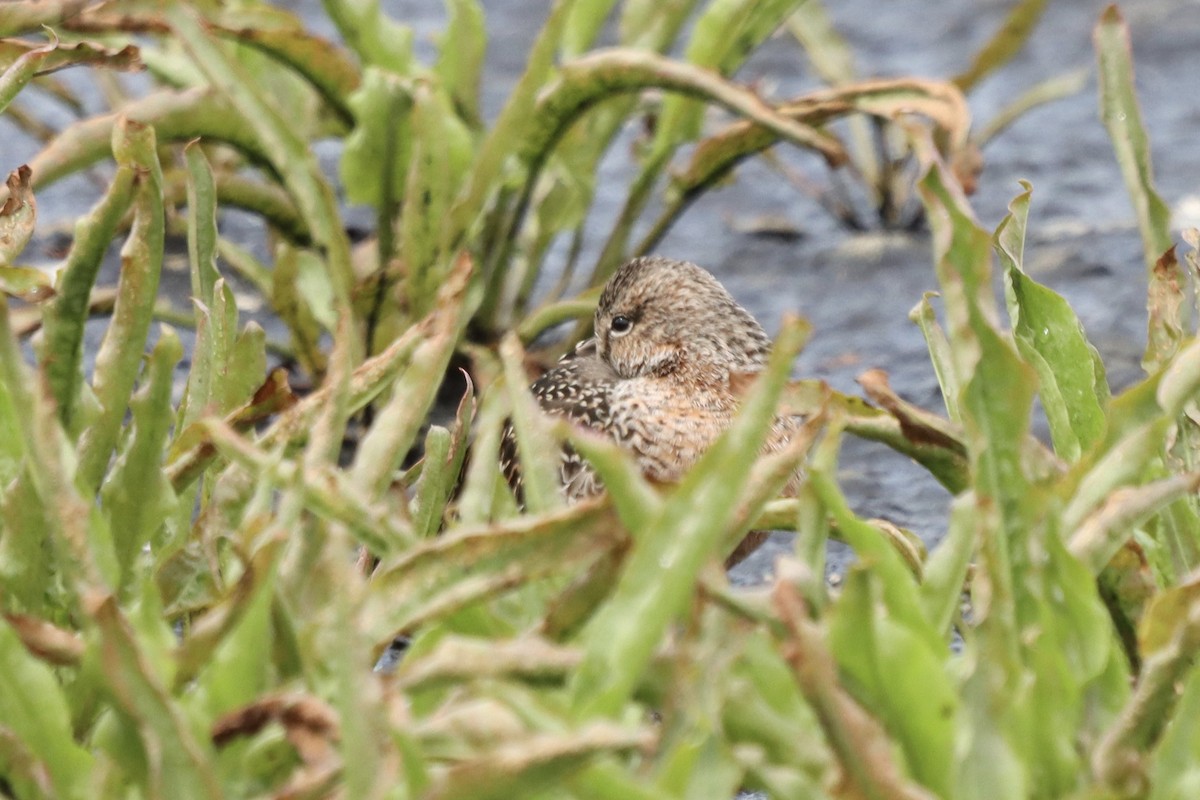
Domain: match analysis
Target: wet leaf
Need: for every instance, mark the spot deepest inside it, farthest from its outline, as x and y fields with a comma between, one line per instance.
x=30, y=285
x=1072, y=384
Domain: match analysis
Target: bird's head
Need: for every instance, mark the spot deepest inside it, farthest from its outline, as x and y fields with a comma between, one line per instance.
x=658, y=316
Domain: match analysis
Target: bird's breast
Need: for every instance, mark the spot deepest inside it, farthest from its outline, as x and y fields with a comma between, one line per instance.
x=667, y=425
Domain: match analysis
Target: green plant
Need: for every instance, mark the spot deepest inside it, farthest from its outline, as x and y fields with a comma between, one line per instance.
x=183, y=615
x=882, y=161
x=416, y=149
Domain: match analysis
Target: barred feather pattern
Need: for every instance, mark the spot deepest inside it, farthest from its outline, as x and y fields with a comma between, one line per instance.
x=663, y=376
x=576, y=388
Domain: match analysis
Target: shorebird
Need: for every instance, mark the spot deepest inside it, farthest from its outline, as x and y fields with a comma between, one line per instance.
x=663, y=376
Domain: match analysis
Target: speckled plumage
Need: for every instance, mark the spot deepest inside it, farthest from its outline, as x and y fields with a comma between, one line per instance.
x=663, y=375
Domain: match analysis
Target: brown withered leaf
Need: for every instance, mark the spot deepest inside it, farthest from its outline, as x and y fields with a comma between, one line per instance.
x=17, y=215
x=1167, y=615
x=310, y=725
x=918, y=425
x=46, y=641
x=1165, y=306
x=56, y=55
x=273, y=396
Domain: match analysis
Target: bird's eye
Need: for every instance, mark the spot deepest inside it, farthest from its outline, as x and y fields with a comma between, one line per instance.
x=620, y=325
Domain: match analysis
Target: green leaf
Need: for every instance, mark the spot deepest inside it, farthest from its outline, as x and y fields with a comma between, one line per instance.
x=1005, y=43
x=660, y=573
x=540, y=485
x=64, y=317
x=384, y=447
x=584, y=24
x=441, y=154
x=939, y=354
x=33, y=707
x=177, y=762
x=136, y=493
x=724, y=35
x=511, y=127
x=1072, y=384
x=223, y=652
x=55, y=56
x=948, y=566
x=460, y=58
x=26, y=283
x=900, y=678
x=1175, y=772
x=327, y=67
x=286, y=150
x=899, y=585
x=202, y=224
x=294, y=310
x=120, y=352
x=374, y=163
x=1123, y=119
x=426, y=582
x=315, y=287
x=378, y=40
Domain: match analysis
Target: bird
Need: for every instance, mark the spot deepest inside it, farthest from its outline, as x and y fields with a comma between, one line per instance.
x=663, y=376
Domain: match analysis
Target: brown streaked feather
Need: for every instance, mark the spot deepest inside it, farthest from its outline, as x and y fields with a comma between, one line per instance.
x=663, y=384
